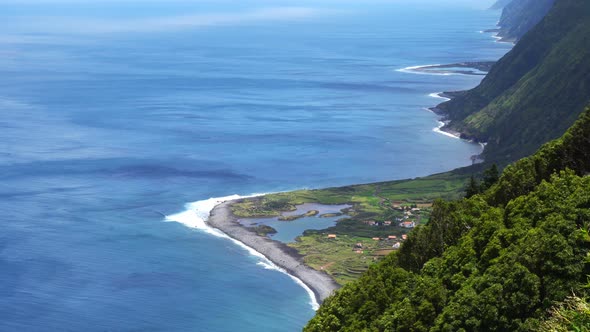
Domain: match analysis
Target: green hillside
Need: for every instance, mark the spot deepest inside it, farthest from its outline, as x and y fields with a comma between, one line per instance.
x=500, y=4
x=535, y=92
x=519, y=16
x=494, y=262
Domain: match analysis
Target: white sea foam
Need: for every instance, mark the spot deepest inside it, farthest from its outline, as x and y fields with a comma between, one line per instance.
x=499, y=39
x=197, y=212
x=416, y=70
x=441, y=124
x=420, y=67
x=438, y=95
x=438, y=130
x=266, y=266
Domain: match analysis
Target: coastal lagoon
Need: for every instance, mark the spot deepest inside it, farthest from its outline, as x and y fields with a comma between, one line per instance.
x=325, y=216
x=114, y=116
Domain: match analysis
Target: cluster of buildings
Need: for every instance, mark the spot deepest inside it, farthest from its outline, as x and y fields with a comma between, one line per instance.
x=401, y=223
x=405, y=221
x=358, y=247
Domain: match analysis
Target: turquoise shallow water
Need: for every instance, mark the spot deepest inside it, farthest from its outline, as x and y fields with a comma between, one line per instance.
x=114, y=116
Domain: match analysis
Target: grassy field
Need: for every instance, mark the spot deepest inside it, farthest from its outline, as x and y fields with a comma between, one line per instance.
x=373, y=206
x=366, y=198
x=341, y=257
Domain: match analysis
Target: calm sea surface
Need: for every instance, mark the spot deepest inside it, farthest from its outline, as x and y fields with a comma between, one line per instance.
x=114, y=116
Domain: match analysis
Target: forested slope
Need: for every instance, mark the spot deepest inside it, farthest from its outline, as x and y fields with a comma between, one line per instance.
x=535, y=92
x=494, y=262
x=519, y=16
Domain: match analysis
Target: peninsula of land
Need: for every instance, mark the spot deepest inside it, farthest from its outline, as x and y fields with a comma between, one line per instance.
x=287, y=258
x=478, y=68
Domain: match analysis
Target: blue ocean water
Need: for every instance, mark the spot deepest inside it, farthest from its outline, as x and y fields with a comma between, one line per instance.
x=114, y=115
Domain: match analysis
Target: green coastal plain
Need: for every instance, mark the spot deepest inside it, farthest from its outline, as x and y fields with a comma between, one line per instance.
x=377, y=202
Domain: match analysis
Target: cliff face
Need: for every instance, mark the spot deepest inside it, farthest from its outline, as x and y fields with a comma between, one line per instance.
x=535, y=92
x=500, y=4
x=519, y=16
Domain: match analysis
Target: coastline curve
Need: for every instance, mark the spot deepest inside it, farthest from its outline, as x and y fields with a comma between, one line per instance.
x=214, y=216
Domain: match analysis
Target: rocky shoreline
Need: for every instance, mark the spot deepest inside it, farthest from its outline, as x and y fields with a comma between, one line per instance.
x=280, y=254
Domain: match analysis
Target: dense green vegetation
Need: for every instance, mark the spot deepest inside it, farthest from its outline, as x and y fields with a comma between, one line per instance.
x=489, y=178
x=535, y=92
x=571, y=151
x=572, y=315
x=494, y=262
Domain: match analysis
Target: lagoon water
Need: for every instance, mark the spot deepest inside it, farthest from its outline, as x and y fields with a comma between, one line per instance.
x=288, y=230
x=114, y=116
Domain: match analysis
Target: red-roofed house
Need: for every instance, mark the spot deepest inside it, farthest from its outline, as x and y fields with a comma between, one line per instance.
x=407, y=224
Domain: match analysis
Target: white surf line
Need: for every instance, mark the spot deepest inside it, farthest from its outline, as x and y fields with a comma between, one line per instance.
x=498, y=39
x=441, y=123
x=197, y=212
x=419, y=67
x=414, y=70
x=439, y=96
x=442, y=132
